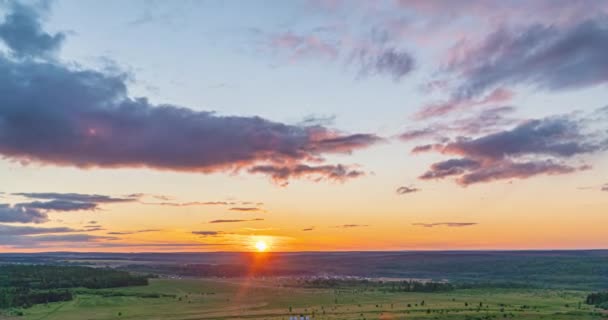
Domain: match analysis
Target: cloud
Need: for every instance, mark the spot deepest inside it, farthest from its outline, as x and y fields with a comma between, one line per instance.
x=449, y=168
x=61, y=205
x=554, y=136
x=281, y=174
x=372, y=54
x=190, y=204
x=22, y=33
x=446, y=224
x=546, y=57
x=70, y=238
x=37, y=211
x=300, y=46
x=535, y=147
x=406, y=190
x=246, y=209
x=208, y=233
x=309, y=229
x=390, y=61
x=417, y=134
x=133, y=232
x=234, y=220
x=74, y=197
x=488, y=120
x=21, y=214
x=348, y=226
x=497, y=96
x=8, y=230
x=90, y=121
x=33, y=240
x=605, y=187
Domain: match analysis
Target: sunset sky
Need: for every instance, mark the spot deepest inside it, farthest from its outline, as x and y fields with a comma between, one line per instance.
x=309, y=125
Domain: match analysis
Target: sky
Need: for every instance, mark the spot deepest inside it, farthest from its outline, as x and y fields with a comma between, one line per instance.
x=310, y=125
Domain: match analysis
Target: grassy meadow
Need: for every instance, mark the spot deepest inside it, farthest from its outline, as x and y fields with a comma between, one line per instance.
x=272, y=299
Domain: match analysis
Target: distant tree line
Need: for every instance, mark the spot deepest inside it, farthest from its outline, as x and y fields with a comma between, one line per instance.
x=218, y=270
x=599, y=299
x=27, y=285
x=25, y=297
x=391, y=286
x=53, y=277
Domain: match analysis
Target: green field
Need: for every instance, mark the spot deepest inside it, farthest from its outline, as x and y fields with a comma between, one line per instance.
x=271, y=299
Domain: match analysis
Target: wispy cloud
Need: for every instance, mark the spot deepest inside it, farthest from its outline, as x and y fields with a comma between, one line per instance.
x=247, y=209
x=9, y=230
x=406, y=189
x=348, y=226
x=37, y=211
x=209, y=233
x=234, y=220
x=445, y=224
x=133, y=232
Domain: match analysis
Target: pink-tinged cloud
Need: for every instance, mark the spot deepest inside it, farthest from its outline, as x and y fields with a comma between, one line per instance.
x=281, y=174
x=57, y=114
x=304, y=46
x=498, y=96
x=553, y=58
x=532, y=148
x=445, y=224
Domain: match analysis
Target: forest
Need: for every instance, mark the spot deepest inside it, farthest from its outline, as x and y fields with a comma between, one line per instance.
x=27, y=285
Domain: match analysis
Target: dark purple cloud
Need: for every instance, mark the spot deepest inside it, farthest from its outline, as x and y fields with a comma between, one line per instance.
x=8, y=230
x=22, y=33
x=61, y=205
x=208, y=233
x=557, y=136
x=605, y=187
x=535, y=147
x=21, y=214
x=445, y=224
x=450, y=167
x=282, y=174
x=546, y=57
x=75, y=197
x=406, y=189
x=58, y=114
x=515, y=170
x=37, y=211
x=70, y=238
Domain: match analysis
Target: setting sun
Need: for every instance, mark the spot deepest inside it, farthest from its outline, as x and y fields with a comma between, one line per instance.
x=261, y=246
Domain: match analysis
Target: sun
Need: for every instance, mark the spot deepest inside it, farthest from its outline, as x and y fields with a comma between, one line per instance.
x=261, y=246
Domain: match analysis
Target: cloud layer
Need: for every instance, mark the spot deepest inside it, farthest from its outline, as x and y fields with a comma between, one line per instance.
x=534, y=147
x=56, y=114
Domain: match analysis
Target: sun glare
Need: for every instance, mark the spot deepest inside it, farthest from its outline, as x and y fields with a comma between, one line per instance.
x=261, y=246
